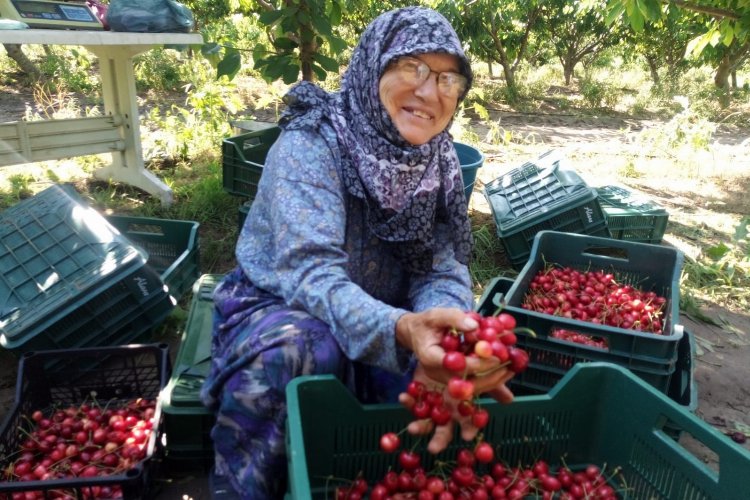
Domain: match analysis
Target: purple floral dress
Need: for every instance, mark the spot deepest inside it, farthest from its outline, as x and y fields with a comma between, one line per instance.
x=327, y=265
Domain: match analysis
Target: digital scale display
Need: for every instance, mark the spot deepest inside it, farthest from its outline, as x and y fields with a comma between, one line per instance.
x=50, y=14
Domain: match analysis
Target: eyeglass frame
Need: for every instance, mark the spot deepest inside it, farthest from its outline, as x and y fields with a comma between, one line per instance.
x=461, y=81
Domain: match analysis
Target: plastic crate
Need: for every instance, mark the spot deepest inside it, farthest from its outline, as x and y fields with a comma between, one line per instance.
x=551, y=358
x=542, y=195
x=112, y=374
x=172, y=247
x=632, y=216
x=69, y=279
x=243, y=157
x=598, y=413
x=187, y=423
x=648, y=267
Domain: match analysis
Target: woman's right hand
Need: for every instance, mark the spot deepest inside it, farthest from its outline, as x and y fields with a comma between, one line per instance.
x=422, y=333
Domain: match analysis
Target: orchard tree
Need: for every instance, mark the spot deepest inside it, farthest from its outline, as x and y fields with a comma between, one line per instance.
x=301, y=39
x=497, y=31
x=726, y=29
x=577, y=31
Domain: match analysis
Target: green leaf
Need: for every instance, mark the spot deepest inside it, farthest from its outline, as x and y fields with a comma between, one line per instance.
x=320, y=73
x=303, y=17
x=326, y=62
x=322, y=26
x=651, y=9
x=717, y=251
x=615, y=9
x=285, y=43
x=696, y=45
x=212, y=52
x=335, y=14
x=337, y=44
x=230, y=65
x=269, y=17
x=637, y=21
x=291, y=73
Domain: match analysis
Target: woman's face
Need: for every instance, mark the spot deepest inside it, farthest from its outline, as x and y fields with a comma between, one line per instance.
x=419, y=109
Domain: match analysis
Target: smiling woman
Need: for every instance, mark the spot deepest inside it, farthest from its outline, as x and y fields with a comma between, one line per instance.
x=353, y=257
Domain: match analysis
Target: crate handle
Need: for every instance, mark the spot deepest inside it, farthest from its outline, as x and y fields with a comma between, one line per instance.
x=145, y=228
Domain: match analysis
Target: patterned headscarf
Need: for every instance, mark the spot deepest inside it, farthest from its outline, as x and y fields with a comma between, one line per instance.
x=406, y=188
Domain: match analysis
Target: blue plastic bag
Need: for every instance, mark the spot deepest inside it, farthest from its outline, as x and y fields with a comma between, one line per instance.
x=149, y=16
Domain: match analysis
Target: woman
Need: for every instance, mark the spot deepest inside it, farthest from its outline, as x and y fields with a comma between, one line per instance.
x=353, y=258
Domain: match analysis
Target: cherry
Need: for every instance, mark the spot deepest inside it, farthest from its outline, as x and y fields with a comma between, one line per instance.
x=454, y=361
x=389, y=442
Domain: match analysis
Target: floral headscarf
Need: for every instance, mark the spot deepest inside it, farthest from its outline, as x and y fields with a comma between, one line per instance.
x=406, y=188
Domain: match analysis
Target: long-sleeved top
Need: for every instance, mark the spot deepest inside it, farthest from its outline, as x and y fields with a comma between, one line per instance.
x=306, y=240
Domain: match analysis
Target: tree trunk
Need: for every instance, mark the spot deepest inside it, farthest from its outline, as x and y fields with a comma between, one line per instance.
x=569, y=66
x=489, y=69
x=654, y=70
x=26, y=65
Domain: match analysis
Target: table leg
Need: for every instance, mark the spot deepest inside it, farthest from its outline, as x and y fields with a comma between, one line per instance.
x=118, y=92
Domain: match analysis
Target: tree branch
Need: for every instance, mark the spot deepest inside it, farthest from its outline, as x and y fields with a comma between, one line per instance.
x=703, y=9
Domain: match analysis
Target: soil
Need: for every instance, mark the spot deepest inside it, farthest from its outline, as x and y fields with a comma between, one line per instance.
x=705, y=196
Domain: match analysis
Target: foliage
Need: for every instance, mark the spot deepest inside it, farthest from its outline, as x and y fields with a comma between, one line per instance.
x=300, y=40
x=722, y=273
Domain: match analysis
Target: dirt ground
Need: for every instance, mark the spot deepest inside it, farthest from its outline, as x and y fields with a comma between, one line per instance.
x=708, y=192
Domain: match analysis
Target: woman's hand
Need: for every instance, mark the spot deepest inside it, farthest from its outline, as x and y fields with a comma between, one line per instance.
x=422, y=332
x=444, y=433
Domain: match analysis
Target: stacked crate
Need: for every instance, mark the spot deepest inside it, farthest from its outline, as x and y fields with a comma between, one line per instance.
x=653, y=357
x=545, y=194
x=70, y=279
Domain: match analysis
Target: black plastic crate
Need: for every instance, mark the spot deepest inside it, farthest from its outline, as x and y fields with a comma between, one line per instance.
x=542, y=195
x=243, y=157
x=187, y=422
x=632, y=216
x=172, y=247
x=107, y=375
x=68, y=278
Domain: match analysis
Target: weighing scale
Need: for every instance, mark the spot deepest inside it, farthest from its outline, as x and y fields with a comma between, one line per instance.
x=55, y=14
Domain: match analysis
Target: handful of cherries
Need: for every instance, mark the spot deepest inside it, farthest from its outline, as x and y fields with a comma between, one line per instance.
x=494, y=337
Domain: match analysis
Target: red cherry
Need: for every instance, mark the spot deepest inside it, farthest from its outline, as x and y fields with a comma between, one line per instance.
x=389, y=442
x=454, y=361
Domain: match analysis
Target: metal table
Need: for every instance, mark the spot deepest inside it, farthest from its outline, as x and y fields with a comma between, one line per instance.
x=117, y=132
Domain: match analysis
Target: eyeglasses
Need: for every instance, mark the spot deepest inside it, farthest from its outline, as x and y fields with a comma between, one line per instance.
x=416, y=72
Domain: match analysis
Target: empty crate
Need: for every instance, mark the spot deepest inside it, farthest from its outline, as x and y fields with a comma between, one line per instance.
x=69, y=279
x=632, y=216
x=187, y=423
x=542, y=195
x=172, y=248
x=243, y=157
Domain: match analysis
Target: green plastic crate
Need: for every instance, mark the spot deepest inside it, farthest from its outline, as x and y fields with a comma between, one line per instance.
x=598, y=413
x=243, y=157
x=187, y=423
x=649, y=267
x=542, y=195
x=113, y=373
x=632, y=216
x=172, y=247
x=68, y=279
x=551, y=358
